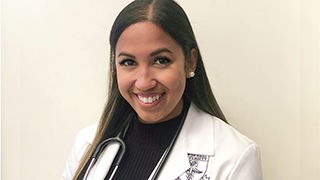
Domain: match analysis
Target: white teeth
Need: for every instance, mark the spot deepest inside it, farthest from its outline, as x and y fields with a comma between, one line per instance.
x=149, y=99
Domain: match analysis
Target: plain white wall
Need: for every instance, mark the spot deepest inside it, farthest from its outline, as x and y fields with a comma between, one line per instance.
x=262, y=58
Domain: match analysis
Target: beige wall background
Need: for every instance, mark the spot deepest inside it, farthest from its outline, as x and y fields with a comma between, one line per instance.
x=262, y=57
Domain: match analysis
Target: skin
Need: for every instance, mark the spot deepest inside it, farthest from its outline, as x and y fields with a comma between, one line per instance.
x=152, y=72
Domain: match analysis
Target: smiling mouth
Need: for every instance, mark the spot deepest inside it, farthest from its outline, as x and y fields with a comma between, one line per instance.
x=149, y=99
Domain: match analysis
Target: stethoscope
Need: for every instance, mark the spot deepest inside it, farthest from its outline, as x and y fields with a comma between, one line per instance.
x=118, y=139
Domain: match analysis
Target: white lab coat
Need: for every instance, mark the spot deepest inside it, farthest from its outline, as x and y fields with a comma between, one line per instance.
x=207, y=148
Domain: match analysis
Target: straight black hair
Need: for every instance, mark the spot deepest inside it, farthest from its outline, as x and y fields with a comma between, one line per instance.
x=168, y=15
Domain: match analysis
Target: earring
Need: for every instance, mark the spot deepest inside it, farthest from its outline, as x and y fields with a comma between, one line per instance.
x=192, y=74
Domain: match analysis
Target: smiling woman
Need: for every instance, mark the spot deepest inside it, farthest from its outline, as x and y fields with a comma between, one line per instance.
x=160, y=108
x=151, y=73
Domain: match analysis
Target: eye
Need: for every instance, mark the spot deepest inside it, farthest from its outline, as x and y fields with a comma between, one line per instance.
x=162, y=61
x=128, y=62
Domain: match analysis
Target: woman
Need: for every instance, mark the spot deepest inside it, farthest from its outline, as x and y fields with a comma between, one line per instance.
x=161, y=102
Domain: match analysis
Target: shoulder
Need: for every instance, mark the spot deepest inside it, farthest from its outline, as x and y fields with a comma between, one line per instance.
x=83, y=141
x=233, y=154
x=239, y=155
x=84, y=138
x=222, y=133
x=228, y=136
x=87, y=134
x=80, y=147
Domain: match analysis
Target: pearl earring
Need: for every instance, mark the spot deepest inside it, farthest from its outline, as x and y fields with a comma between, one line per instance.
x=192, y=74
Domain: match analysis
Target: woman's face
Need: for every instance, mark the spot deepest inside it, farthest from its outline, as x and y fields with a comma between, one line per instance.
x=151, y=72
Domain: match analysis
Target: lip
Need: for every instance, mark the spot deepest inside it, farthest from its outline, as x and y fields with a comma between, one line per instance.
x=147, y=102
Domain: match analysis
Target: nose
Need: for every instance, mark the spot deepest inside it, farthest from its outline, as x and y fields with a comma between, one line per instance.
x=145, y=79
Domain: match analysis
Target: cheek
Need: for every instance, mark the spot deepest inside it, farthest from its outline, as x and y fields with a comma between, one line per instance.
x=175, y=81
x=123, y=82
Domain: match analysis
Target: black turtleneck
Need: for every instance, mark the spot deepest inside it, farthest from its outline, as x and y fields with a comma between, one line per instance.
x=146, y=144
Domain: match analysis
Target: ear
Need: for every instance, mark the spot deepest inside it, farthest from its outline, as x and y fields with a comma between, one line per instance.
x=191, y=63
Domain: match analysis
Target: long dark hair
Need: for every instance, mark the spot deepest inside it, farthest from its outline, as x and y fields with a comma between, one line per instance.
x=173, y=20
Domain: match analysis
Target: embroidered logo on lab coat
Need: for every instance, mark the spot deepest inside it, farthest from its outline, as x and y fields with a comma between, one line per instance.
x=198, y=168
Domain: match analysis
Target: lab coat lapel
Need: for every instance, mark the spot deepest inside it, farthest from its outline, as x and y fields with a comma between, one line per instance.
x=199, y=132
x=177, y=162
x=196, y=137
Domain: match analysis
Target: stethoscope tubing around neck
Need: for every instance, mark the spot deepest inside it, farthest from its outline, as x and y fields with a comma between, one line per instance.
x=102, y=145
x=118, y=139
x=166, y=153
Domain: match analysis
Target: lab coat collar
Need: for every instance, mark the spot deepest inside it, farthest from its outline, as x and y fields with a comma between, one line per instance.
x=196, y=137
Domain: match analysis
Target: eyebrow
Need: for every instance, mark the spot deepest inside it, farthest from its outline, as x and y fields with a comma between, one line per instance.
x=126, y=54
x=158, y=51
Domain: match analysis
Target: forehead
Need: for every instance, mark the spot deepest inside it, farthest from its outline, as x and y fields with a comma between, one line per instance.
x=144, y=36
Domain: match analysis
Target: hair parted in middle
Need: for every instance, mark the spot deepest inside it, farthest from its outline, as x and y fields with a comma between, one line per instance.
x=168, y=15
